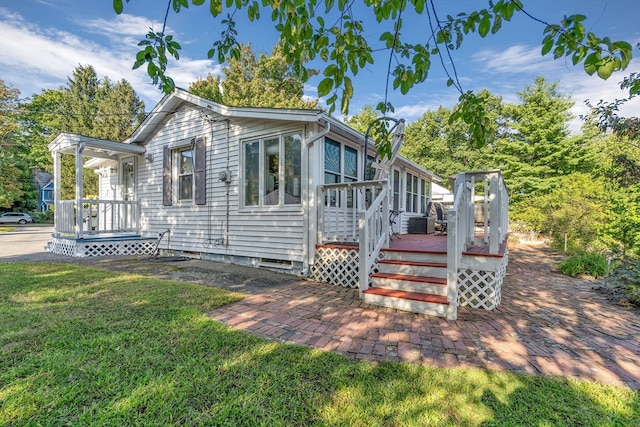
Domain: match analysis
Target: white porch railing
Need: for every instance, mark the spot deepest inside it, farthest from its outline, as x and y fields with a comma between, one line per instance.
x=356, y=212
x=98, y=217
x=492, y=208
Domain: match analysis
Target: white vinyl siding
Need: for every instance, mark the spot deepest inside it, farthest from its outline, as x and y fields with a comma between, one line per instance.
x=220, y=228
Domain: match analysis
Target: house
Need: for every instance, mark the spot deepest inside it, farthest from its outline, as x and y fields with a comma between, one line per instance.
x=44, y=186
x=262, y=187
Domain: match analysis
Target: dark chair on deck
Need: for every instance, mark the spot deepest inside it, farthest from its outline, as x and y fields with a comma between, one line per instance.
x=441, y=222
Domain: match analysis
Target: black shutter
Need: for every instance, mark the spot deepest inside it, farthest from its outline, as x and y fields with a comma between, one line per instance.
x=200, y=170
x=166, y=177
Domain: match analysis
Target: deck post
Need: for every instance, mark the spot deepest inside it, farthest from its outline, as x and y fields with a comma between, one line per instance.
x=79, y=189
x=57, y=216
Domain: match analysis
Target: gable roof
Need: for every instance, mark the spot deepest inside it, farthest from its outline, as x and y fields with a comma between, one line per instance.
x=172, y=101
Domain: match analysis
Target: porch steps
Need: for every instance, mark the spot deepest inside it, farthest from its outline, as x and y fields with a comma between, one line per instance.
x=412, y=281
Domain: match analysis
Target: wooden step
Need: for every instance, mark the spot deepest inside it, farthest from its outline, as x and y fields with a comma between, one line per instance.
x=411, y=278
x=414, y=263
x=415, y=302
x=414, y=268
x=414, y=296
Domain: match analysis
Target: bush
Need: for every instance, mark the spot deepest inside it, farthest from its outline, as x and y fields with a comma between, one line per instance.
x=45, y=217
x=589, y=263
x=626, y=276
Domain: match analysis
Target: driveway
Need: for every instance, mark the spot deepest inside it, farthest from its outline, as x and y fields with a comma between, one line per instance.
x=547, y=324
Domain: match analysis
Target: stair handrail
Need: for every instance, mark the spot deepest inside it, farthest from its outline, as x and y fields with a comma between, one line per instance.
x=373, y=227
x=457, y=224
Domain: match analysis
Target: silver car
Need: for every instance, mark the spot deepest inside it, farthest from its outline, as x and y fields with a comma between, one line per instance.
x=15, y=218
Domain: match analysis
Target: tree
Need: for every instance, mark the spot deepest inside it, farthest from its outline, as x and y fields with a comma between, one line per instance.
x=330, y=31
x=268, y=81
x=11, y=167
x=87, y=106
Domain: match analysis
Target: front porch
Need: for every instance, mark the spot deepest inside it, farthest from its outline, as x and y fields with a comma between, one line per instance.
x=87, y=227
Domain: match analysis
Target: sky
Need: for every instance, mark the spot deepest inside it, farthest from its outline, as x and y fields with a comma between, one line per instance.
x=43, y=41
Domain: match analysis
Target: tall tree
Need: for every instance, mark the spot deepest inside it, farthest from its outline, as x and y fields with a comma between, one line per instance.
x=12, y=167
x=88, y=106
x=268, y=81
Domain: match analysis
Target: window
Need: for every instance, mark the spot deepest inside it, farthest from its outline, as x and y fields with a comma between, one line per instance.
x=340, y=165
x=273, y=171
x=424, y=196
x=185, y=174
x=396, y=190
x=417, y=193
x=412, y=193
x=189, y=173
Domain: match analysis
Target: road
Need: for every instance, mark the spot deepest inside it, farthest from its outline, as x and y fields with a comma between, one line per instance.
x=26, y=243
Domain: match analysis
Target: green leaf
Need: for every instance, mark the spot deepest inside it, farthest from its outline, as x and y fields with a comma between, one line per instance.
x=449, y=82
x=591, y=63
x=547, y=45
x=497, y=24
x=118, y=6
x=606, y=68
x=215, y=7
x=325, y=86
x=197, y=2
x=485, y=26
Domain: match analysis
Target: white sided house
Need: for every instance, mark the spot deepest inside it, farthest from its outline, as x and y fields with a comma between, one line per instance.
x=283, y=189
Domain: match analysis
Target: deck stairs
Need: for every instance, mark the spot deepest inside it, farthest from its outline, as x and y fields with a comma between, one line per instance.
x=410, y=280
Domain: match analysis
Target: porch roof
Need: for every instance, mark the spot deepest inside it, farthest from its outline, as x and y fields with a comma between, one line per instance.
x=67, y=143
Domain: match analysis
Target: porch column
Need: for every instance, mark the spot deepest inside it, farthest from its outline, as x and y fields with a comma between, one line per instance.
x=79, y=189
x=56, y=193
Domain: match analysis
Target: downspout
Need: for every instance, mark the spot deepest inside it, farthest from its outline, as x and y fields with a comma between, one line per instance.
x=309, y=193
x=228, y=186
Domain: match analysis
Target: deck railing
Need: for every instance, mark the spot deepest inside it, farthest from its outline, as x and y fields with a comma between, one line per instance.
x=98, y=217
x=339, y=208
x=356, y=213
x=489, y=212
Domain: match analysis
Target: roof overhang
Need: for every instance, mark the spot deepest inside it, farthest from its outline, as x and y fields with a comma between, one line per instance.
x=172, y=101
x=67, y=143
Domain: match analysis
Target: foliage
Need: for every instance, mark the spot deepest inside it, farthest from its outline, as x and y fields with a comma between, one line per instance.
x=585, y=263
x=575, y=210
x=82, y=346
x=626, y=276
x=332, y=32
x=267, y=81
x=11, y=168
x=621, y=231
x=605, y=114
x=87, y=106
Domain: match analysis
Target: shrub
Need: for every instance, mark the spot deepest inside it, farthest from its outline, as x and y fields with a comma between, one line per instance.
x=626, y=276
x=43, y=217
x=589, y=263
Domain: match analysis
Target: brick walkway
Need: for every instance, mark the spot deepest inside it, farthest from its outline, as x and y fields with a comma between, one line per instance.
x=547, y=324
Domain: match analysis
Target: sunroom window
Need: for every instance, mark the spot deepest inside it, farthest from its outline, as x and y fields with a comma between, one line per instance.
x=340, y=165
x=272, y=171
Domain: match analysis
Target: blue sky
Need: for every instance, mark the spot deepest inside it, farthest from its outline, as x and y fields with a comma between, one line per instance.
x=43, y=41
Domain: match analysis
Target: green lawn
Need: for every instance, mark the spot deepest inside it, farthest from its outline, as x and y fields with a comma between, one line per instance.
x=81, y=346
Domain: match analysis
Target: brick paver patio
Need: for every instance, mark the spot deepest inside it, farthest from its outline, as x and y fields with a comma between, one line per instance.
x=547, y=324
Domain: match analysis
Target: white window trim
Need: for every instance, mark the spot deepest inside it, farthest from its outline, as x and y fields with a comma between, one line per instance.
x=261, y=206
x=175, y=153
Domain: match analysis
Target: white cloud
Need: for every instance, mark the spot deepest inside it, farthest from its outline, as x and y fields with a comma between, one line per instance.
x=36, y=58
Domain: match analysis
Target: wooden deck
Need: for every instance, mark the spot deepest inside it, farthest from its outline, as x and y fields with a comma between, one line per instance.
x=435, y=243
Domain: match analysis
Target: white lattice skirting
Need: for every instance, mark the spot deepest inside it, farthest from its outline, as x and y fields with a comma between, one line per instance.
x=91, y=248
x=481, y=288
x=338, y=266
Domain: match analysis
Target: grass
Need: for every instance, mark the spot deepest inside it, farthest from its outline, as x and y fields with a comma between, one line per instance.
x=81, y=346
x=7, y=228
